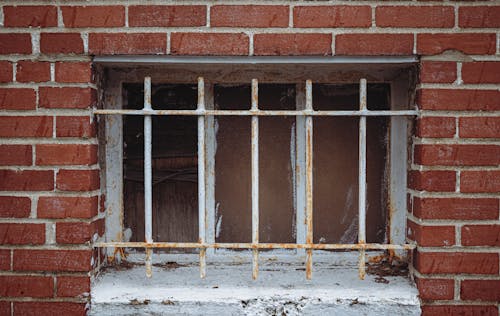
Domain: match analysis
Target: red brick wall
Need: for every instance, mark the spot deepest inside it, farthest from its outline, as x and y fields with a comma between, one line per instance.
x=49, y=184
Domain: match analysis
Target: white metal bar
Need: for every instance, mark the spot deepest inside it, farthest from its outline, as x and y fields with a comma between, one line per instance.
x=201, y=176
x=253, y=246
x=130, y=59
x=309, y=179
x=257, y=112
x=148, y=178
x=255, y=178
x=210, y=149
x=362, y=178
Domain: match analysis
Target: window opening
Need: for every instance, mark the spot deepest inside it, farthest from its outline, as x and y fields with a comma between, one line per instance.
x=251, y=131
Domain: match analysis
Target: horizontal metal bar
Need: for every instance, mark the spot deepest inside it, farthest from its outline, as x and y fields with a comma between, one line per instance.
x=256, y=112
x=252, y=246
x=131, y=59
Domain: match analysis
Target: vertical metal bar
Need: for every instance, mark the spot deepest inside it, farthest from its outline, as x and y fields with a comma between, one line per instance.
x=201, y=175
x=309, y=179
x=148, y=177
x=210, y=148
x=255, y=178
x=362, y=178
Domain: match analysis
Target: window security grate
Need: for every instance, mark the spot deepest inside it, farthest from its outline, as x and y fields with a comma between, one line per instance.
x=201, y=112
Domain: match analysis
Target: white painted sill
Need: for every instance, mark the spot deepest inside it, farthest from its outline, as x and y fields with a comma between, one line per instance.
x=228, y=289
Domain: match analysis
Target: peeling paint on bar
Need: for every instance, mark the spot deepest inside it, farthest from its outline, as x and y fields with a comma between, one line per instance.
x=255, y=178
x=201, y=176
x=362, y=178
x=254, y=246
x=309, y=179
x=257, y=112
x=148, y=177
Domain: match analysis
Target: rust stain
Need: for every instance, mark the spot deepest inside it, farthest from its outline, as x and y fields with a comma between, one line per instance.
x=368, y=246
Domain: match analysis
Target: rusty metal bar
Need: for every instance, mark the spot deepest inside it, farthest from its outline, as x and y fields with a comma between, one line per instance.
x=256, y=113
x=309, y=179
x=158, y=60
x=254, y=246
x=201, y=177
x=362, y=178
x=255, y=178
x=148, y=178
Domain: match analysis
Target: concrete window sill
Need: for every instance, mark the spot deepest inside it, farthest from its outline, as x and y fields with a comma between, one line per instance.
x=228, y=289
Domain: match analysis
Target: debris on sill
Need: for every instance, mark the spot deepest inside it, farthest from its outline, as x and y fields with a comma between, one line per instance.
x=281, y=288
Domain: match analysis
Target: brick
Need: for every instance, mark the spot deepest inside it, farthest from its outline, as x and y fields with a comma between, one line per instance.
x=49, y=308
x=73, y=72
x=415, y=16
x=15, y=43
x=479, y=16
x=66, y=154
x=481, y=235
x=205, y=44
x=438, y=72
x=52, y=260
x=432, y=181
x=4, y=261
x=456, y=208
x=469, y=310
x=61, y=43
x=431, y=236
x=26, y=286
x=167, y=15
x=22, y=234
x=435, y=289
x=32, y=71
x=481, y=72
x=93, y=16
x=26, y=126
x=5, y=308
x=15, y=155
x=459, y=100
x=480, y=181
x=73, y=286
x=467, y=43
x=78, y=233
x=18, y=207
x=481, y=290
x=6, y=71
x=17, y=99
x=249, y=16
x=292, y=44
x=457, y=155
x=67, y=207
x=332, y=16
x=374, y=44
x=75, y=126
x=77, y=180
x=127, y=43
x=26, y=180
x=479, y=127
x=436, y=127
x=30, y=16
x=457, y=262
x=67, y=97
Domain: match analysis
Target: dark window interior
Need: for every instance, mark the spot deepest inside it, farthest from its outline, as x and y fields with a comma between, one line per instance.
x=175, y=206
